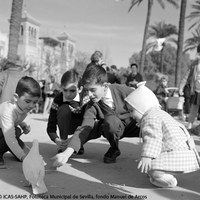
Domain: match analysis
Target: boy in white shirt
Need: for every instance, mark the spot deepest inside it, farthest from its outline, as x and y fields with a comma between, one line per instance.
x=12, y=114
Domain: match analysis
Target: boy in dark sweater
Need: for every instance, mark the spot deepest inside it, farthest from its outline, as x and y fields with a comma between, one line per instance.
x=105, y=114
x=66, y=111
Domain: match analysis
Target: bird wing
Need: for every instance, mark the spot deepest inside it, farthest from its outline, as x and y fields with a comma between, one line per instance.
x=32, y=169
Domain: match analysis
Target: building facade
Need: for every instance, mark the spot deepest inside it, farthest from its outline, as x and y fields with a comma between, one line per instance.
x=43, y=55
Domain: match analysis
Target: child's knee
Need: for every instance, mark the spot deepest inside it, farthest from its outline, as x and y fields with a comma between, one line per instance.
x=114, y=125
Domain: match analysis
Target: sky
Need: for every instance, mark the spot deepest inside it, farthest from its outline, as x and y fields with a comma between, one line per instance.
x=104, y=25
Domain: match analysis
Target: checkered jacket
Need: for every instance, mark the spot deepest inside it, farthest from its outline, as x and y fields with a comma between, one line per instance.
x=167, y=142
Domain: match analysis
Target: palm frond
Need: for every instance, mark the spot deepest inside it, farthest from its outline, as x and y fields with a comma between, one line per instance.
x=172, y=40
x=195, y=14
x=191, y=43
x=133, y=3
x=173, y=2
x=195, y=24
x=161, y=4
x=161, y=30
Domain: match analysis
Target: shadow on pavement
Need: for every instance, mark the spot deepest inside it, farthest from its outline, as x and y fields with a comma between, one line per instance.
x=88, y=175
x=64, y=181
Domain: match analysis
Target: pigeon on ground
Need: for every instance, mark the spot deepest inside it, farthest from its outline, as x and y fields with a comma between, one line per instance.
x=34, y=170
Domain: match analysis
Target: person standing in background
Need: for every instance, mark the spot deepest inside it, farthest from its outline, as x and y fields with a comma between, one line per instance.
x=97, y=58
x=134, y=77
x=193, y=76
x=51, y=89
x=112, y=74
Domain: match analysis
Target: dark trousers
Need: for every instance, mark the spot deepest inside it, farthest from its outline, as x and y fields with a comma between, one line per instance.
x=67, y=121
x=114, y=129
x=4, y=147
x=187, y=96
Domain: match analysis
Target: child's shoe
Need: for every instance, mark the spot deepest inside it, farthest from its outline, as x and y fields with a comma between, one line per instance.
x=111, y=155
x=165, y=181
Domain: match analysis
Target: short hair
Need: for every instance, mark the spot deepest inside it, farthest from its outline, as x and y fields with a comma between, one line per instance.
x=96, y=56
x=198, y=48
x=164, y=78
x=94, y=74
x=28, y=85
x=70, y=76
x=134, y=64
x=113, y=67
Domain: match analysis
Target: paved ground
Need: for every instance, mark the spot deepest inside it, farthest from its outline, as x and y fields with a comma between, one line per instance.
x=87, y=177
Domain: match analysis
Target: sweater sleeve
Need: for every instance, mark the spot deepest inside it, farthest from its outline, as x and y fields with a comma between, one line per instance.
x=82, y=132
x=52, y=121
x=8, y=128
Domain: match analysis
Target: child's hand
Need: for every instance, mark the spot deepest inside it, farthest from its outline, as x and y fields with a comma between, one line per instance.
x=180, y=92
x=66, y=142
x=144, y=164
x=60, y=159
x=26, y=129
x=58, y=141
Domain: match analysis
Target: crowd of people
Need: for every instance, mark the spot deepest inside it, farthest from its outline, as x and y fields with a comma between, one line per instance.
x=100, y=104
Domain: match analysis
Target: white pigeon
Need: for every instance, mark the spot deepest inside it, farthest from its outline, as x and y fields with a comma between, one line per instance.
x=34, y=170
x=159, y=44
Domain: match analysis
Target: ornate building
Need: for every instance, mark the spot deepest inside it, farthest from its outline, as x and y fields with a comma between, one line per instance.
x=3, y=45
x=28, y=40
x=44, y=55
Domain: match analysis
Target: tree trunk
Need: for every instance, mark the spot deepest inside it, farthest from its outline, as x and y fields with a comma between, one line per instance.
x=15, y=22
x=162, y=59
x=143, y=53
x=180, y=41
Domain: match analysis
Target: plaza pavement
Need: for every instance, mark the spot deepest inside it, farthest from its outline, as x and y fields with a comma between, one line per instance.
x=87, y=177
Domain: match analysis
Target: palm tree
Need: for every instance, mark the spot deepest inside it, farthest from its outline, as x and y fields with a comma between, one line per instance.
x=162, y=30
x=195, y=15
x=15, y=22
x=149, y=9
x=180, y=41
x=191, y=43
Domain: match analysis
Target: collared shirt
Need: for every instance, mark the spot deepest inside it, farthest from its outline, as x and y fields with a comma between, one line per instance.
x=108, y=100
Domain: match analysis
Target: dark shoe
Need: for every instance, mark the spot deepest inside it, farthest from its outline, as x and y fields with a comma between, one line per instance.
x=111, y=155
x=81, y=151
x=2, y=164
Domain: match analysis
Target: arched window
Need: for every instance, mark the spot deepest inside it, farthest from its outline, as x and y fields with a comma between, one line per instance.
x=32, y=32
x=22, y=30
x=29, y=31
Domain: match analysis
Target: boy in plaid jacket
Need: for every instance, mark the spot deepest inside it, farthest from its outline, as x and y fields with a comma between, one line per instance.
x=167, y=147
